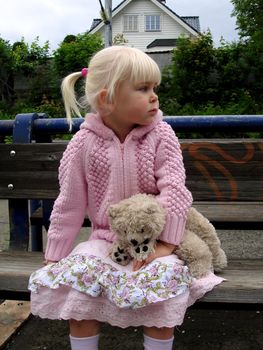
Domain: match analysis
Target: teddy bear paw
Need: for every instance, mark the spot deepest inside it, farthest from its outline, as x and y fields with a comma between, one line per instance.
x=120, y=256
x=141, y=251
x=219, y=261
x=199, y=268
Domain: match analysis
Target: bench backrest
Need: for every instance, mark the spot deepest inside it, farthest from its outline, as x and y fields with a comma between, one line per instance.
x=217, y=170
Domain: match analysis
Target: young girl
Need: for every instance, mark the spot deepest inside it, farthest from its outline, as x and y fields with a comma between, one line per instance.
x=122, y=149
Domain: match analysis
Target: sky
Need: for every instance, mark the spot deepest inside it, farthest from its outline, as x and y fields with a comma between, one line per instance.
x=52, y=20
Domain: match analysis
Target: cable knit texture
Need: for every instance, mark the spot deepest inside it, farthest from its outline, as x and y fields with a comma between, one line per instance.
x=97, y=170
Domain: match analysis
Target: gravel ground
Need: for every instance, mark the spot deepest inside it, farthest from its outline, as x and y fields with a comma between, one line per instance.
x=203, y=329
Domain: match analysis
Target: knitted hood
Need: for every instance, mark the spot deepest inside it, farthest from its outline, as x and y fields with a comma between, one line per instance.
x=94, y=123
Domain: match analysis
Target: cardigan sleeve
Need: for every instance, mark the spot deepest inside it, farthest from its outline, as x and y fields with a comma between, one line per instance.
x=70, y=206
x=173, y=194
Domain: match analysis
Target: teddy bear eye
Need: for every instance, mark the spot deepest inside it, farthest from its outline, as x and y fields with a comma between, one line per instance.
x=142, y=230
x=134, y=242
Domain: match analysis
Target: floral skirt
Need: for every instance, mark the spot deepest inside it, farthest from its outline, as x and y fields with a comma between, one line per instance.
x=89, y=285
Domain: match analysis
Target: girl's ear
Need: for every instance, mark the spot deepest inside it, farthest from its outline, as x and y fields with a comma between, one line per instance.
x=104, y=106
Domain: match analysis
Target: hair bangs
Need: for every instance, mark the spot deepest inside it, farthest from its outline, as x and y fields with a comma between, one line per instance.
x=145, y=70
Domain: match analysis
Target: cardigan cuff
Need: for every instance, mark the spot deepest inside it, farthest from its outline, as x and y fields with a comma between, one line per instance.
x=104, y=234
x=174, y=230
x=57, y=250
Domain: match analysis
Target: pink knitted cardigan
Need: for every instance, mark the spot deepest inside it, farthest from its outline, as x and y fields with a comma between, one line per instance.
x=97, y=170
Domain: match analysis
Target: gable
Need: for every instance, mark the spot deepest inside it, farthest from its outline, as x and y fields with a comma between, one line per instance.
x=190, y=23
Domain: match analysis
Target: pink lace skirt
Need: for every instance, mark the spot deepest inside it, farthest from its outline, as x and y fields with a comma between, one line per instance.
x=89, y=285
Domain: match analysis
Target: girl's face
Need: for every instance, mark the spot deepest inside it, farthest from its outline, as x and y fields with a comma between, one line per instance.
x=135, y=104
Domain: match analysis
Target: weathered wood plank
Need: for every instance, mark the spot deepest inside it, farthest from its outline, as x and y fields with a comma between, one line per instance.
x=231, y=211
x=220, y=170
x=31, y=169
x=16, y=267
x=217, y=170
x=13, y=314
x=244, y=278
x=228, y=215
x=244, y=284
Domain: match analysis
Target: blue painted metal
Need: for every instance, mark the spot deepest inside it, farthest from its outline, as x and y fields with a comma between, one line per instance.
x=23, y=132
x=6, y=127
x=47, y=209
x=41, y=125
x=18, y=208
x=19, y=224
x=180, y=123
x=23, y=127
x=36, y=231
x=56, y=126
x=226, y=123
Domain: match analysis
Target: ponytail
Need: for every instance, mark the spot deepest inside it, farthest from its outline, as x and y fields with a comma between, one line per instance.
x=69, y=97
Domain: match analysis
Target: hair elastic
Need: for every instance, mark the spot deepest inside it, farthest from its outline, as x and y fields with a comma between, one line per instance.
x=84, y=72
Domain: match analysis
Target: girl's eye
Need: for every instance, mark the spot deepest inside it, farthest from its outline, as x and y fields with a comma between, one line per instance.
x=144, y=88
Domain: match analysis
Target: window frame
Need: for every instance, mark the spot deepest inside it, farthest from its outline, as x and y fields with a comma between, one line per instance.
x=128, y=16
x=151, y=29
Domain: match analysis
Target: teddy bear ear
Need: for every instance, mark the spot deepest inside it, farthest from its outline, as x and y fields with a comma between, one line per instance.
x=113, y=211
x=150, y=211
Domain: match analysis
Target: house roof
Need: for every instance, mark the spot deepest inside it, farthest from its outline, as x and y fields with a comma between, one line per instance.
x=193, y=21
x=96, y=21
x=162, y=42
x=190, y=21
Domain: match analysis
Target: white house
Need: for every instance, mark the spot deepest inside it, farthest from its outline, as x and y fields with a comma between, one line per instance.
x=149, y=25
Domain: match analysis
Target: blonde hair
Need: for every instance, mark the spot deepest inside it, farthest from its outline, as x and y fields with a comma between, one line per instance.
x=107, y=69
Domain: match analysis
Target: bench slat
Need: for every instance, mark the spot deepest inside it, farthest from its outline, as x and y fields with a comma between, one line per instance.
x=244, y=284
x=227, y=215
x=216, y=170
x=244, y=278
x=231, y=211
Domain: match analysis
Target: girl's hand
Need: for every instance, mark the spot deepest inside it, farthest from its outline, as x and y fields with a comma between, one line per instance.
x=161, y=249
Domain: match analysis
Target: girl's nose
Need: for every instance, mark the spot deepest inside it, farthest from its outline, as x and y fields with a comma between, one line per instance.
x=154, y=97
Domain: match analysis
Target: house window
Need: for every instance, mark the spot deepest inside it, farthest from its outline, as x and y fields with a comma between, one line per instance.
x=130, y=23
x=152, y=23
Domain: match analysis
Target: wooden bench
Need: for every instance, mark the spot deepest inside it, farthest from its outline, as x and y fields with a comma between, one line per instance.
x=225, y=177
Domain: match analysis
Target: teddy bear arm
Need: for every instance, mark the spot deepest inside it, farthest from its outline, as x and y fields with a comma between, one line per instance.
x=200, y=225
x=196, y=254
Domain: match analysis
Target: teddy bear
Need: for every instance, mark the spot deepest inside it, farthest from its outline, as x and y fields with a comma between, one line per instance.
x=140, y=219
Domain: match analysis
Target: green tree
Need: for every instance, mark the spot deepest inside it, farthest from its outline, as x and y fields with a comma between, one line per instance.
x=75, y=52
x=249, y=14
x=6, y=72
x=203, y=79
x=192, y=77
x=33, y=69
x=27, y=58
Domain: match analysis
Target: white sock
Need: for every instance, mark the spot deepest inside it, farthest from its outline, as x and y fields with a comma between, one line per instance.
x=88, y=343
x=157, y=344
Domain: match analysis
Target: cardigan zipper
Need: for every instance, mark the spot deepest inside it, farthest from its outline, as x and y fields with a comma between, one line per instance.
x=123, y=170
